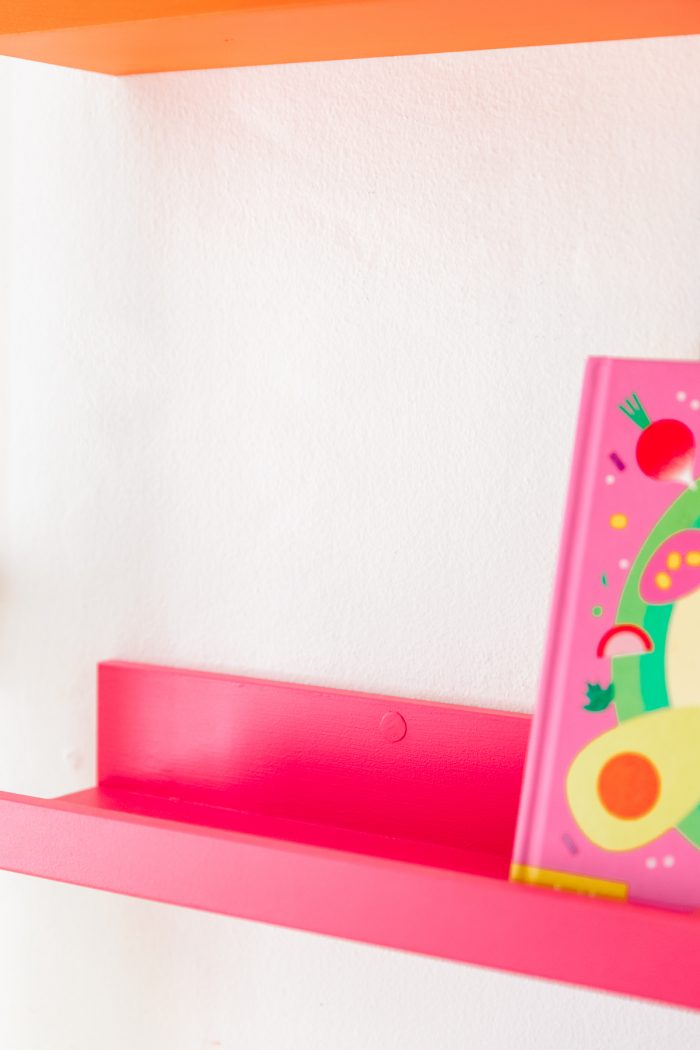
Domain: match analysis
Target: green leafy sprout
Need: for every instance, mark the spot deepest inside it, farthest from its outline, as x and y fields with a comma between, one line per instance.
x=598, y=697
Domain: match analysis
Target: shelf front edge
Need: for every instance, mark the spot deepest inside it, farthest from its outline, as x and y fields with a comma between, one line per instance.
x=623, y=948
x=279, y=32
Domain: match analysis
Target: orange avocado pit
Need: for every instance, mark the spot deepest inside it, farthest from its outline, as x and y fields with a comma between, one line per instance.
x=629, y=785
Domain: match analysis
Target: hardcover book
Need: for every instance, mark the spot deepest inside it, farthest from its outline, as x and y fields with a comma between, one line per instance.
x=611, y=794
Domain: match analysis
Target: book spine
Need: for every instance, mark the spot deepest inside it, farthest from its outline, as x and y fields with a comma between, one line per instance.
x=549, y=711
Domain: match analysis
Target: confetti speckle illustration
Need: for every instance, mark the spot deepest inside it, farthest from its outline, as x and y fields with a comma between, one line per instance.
x=681, y=395
x=617, y=461
x=597, y=610
x=668, y=861
x=618, y=521
x=569, y=843
x=609, y=479
x=624, y=563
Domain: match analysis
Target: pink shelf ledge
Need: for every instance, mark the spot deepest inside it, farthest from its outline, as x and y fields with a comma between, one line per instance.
x=367, y=817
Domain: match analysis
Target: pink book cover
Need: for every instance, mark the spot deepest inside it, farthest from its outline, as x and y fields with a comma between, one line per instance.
x=611, y=795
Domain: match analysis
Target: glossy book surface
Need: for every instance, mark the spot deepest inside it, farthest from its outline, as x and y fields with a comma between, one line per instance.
x=612, y=784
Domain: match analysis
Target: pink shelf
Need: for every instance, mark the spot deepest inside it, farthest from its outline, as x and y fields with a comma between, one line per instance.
x=380, y=820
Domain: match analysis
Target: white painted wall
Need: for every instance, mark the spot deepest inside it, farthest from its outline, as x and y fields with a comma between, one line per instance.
x=291, y=360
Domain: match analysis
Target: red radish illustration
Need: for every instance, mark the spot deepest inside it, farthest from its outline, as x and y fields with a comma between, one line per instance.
x=665, y=448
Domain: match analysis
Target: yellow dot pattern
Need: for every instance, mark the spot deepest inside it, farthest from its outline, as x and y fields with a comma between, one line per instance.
x=674, y=561
x=618, y=521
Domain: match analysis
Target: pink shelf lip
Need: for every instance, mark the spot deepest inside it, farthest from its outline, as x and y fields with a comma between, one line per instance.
x=297, y=806
x=451, y=915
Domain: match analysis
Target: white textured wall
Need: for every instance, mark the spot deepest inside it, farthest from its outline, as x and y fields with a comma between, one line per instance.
x=290, y=365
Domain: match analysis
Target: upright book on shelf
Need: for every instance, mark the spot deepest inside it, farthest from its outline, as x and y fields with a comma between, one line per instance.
x=611, y=797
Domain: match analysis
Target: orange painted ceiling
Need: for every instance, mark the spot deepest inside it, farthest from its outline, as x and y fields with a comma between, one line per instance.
x=144, y=36
x=27, y=16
